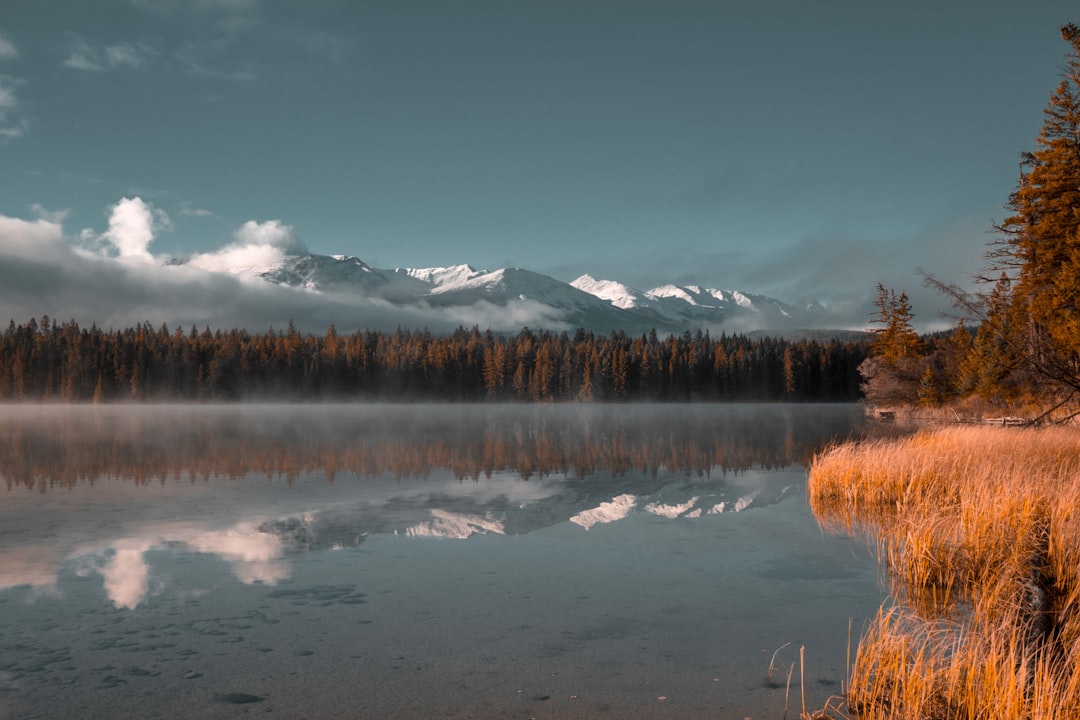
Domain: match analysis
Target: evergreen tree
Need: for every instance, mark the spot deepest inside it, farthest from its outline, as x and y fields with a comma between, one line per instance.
x=895, y=371
x=1040, y=245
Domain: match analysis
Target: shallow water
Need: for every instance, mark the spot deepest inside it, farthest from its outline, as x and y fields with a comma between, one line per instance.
x=420, y=562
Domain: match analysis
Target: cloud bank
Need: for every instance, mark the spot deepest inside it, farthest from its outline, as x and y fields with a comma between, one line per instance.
x=115, y=280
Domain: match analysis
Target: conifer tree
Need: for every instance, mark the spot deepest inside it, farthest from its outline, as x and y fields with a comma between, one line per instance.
x=1040, y=245
x=893, y=373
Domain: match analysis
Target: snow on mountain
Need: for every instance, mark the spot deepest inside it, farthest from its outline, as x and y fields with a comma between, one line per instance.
x=674, y=291
x=341, y=273
x=442, y=276
x=619, y=295
x=458, y=526
x=502, y=286
x=705, y=297
x=588, y=302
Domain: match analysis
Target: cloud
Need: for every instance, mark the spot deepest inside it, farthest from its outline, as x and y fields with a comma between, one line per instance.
x=187, y=210
x=253, y=555
x=53, y=216
x=133, y=222
x=8, y=51
x=34, y=566
x=99, y=58
x=11, y=126
x=200, y=67
x=841, y=272
x=127, y=574
x=258, y=245
x=43, y=271
x=24, y=237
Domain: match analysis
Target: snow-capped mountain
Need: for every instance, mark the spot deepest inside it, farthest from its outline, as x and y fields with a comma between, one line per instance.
x=588, y=302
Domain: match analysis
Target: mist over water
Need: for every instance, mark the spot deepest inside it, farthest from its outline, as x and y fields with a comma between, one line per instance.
x=494, y=555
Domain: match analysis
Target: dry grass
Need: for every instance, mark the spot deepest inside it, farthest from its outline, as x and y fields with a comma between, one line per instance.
x=978, y=531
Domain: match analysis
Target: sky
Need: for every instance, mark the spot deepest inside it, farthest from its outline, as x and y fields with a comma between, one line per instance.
x=802, y=150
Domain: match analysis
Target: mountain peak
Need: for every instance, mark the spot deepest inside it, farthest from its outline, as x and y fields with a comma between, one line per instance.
x=619, y=295
x=588, y=302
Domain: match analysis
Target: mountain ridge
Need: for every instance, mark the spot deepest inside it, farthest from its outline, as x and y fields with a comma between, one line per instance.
x=597, y=304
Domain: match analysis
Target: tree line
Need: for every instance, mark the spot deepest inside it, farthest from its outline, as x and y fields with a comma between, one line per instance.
x=42, y=360
x=1018, y=341
x=187, y=444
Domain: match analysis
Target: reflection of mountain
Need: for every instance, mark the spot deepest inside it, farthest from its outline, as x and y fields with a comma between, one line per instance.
x=323, y=531
x=44, y=447
x=586, y=502
x=110, y=490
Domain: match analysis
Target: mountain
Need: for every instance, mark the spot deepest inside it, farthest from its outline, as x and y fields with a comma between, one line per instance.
x=588, y=302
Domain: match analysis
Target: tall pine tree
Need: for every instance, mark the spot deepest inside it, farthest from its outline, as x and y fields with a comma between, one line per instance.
x=1040, y=245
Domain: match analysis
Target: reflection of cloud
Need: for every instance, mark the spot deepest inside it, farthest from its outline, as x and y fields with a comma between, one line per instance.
x=619, y=507
x=34, y=566
x=126, y=574
x=253, y=556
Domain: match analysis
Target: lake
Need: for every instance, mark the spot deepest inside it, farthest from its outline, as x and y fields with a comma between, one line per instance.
x=394, y=561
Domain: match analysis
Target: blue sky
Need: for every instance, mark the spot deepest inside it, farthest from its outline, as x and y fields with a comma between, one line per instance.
x=804, y=150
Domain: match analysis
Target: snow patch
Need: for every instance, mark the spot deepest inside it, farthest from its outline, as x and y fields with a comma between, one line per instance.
x=671, y=511
x=745, y=501
x=606, y=512
x=444, y=524
x=614, y=292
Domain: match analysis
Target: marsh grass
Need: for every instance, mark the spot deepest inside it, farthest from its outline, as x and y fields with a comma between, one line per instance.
x=978, y=533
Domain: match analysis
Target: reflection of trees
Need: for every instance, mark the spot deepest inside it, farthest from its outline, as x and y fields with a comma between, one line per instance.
x=52, y=447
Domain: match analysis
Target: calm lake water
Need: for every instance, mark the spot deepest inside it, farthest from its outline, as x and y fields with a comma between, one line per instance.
x=421, y=562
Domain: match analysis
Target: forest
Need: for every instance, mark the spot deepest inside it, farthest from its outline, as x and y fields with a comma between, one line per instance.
x=45, y=361
x=1017, y=342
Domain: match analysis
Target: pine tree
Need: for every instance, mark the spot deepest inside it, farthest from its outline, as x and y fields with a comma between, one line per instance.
x=1040, y=243
x=894, y=372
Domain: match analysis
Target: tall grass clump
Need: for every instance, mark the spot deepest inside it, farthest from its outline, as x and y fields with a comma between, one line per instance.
x=978, y=533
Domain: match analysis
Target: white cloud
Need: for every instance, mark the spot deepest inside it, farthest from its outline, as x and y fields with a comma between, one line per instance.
x=133, y=222
x=271, y=232
x=187, y=210
x=8, y=51
x=254, y=555
x=10, y=126
x=258, y=245
x=98, y=58
x=42, y=271
x=53, y=216
x=127, y=574
x=42, y=237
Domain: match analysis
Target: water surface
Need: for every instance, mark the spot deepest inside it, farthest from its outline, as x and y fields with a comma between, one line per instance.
x=420, y=561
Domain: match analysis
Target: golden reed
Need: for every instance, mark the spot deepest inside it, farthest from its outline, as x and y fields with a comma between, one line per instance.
x=978, y=533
